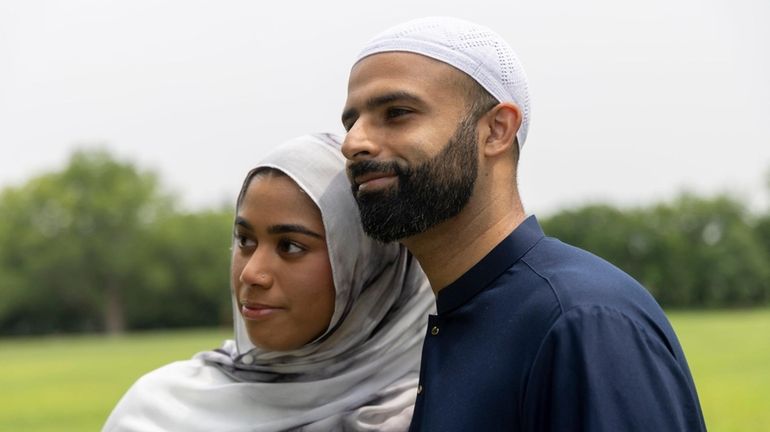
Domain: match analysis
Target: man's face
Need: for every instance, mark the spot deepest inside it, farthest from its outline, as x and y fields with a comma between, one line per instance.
x=413, y=154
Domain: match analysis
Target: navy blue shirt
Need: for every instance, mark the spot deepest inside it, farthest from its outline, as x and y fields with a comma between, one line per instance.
x=543, y=336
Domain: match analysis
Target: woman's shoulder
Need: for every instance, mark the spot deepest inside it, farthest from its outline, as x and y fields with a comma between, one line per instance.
x=194, y=368
x=154, y=392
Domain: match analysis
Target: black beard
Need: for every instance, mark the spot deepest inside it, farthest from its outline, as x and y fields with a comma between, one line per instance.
x=425, y=195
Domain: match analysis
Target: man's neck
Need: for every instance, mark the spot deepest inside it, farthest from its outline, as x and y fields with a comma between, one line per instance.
x=451, y=248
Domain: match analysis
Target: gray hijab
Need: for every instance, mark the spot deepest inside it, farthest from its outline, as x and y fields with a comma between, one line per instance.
x=362, y=372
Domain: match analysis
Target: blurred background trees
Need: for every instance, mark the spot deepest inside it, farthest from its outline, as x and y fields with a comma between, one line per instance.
x=100, y=246
x=691, y=252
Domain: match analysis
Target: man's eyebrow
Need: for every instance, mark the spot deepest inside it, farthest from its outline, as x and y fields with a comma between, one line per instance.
x=291, y=228
x=395, y=96
x=377, y=101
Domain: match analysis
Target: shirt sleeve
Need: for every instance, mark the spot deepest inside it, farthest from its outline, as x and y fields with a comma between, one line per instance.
x=599, y=370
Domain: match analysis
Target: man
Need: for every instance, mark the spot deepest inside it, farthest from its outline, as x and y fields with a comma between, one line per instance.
x=530, y=334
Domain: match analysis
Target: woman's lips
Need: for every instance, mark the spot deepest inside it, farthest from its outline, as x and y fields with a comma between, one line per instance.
x=255, y=311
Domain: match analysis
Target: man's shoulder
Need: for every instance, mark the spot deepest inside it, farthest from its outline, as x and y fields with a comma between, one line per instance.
x=574, y=277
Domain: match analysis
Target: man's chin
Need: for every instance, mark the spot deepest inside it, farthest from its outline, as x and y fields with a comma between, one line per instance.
x=383, y=236
x=373, y=197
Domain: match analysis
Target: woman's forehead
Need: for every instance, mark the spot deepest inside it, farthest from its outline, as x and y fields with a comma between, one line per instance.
x=272, y=195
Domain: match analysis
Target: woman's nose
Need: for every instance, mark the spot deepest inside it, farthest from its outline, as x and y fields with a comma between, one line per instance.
x=257, y=272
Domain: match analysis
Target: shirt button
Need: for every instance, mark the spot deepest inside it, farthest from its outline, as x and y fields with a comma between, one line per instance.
x=434, y=330
x=419, y=389
x=247, y=359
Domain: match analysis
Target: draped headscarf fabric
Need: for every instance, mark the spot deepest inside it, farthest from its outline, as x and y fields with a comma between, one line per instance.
x=360, y=374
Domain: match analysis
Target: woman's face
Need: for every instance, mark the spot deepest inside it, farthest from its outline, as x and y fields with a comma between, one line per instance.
x=280, y=267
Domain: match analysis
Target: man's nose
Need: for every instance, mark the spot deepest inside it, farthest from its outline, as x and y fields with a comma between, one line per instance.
x=358, y=144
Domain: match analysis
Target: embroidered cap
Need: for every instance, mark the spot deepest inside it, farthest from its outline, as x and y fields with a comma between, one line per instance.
x=472, y=48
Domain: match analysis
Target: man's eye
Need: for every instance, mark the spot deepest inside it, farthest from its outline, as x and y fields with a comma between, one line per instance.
x=396, y=112
x=348, y=121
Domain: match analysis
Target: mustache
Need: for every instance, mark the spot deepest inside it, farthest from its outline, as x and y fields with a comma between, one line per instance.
x=356, y=169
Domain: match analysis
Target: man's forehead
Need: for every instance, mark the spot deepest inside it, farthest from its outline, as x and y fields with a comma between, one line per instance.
x=401, y=58
x=404, y=68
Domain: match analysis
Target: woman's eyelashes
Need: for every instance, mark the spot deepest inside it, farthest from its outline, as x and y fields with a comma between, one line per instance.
x=284, y=245
x=243, y=241
x=290, y=247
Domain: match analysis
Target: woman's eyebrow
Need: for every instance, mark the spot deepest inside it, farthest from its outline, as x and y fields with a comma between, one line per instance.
x=242, y=222
x=291, y=228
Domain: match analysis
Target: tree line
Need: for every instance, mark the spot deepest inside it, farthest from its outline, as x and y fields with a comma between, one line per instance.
x=101, y=246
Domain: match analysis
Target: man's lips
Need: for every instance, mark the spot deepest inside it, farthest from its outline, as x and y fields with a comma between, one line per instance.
x=255, y=311
x=374, y=180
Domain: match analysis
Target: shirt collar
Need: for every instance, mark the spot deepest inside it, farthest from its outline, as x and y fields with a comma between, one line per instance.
x=498, y=260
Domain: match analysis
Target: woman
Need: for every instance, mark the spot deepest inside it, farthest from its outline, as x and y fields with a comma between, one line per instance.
x=328, y=323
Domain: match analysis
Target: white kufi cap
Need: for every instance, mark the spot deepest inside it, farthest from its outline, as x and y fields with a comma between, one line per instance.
x=474, y=49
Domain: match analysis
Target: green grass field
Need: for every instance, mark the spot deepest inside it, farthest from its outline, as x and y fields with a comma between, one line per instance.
x=72, y=383
x=729, y=356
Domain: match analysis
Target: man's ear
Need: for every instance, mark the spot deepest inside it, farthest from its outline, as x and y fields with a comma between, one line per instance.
x=501, y=124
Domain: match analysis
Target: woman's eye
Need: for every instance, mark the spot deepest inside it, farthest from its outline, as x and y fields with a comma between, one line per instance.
x=290, y=247
x=244, y=242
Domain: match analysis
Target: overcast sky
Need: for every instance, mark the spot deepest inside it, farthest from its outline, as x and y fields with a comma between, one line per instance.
x=633, y=102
